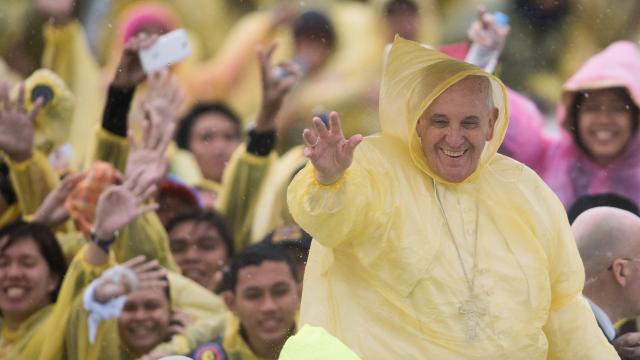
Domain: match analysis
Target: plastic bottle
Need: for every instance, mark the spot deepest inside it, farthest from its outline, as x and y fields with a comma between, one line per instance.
x=486, y=57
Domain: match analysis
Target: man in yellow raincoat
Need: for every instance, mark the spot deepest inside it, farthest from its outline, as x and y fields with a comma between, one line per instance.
x=429, y=244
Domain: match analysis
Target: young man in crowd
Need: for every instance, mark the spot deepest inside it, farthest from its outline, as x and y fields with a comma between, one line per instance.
x=264, y=298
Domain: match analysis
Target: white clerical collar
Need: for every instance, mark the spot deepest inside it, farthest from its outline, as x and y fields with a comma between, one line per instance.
x=603, y=321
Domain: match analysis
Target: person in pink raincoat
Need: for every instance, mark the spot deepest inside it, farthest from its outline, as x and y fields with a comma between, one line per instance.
x=598, y=147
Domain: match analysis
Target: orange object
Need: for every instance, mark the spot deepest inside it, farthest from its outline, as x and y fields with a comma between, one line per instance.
x=82, y=202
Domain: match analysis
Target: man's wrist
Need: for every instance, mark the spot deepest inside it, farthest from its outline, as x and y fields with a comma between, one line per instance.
x=261, y=143
x=266, y=121
x=328, y=179
x=103, y=239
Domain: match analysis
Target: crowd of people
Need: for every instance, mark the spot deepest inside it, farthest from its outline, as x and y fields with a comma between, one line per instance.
x=320, y=180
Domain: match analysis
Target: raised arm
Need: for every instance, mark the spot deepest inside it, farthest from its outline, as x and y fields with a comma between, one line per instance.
x=111, y=143
x=331, y=197
x=118, y=206
x=328, y=150
x=525, y=140
x=31, y=176
x=249, y=164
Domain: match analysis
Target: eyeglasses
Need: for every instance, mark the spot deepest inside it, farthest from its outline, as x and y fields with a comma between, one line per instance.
x=626, y=259
x=611, y=109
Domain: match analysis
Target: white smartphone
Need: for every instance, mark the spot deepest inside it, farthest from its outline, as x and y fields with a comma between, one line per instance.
x=167, y=50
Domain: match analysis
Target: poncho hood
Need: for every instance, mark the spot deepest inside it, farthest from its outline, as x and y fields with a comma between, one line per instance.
x=616, y=66
x=413, y=78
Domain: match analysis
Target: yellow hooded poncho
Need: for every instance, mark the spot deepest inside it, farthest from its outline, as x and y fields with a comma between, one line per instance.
x=383, y=274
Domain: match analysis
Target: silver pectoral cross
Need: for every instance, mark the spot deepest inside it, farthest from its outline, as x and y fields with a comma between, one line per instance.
x=473, y=311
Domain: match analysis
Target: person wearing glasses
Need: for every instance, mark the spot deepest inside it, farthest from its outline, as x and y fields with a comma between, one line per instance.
x=609, y=244
x=597, y=148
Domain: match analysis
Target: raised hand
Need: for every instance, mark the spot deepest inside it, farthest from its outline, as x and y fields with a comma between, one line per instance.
x=118, y=205
x=328, y=150
x=59, y=11
x=486, y=32
x=179, y=322
x=16, y=125
x=164, y=96
x=135, y=274
x=276, y=83
x=129, y=72
x=52, y=211
x=148, y=157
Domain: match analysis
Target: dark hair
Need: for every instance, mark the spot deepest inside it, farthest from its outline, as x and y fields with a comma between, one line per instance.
x=571, y=122
x=314, y=25
x=210, y=217
x=45, y=241
x=398, y=7
x=255, y=255
x=189, y=120
x=586, y=202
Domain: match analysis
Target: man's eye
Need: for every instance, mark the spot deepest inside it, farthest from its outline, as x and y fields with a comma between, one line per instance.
x=439, y=123
x=470, y=124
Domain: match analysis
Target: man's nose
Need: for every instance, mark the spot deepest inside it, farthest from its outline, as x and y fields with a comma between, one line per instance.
x=268, y=304
x=192, y=253
x=454, y=138
x=139, y=314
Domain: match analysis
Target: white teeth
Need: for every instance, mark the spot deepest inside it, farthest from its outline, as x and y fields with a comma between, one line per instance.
x=139, y=330
x=15, y=292
x=603, y=135
x=453, y=153
x=270, y=323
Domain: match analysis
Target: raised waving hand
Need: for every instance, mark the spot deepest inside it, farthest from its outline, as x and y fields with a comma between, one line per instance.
x=328, y=150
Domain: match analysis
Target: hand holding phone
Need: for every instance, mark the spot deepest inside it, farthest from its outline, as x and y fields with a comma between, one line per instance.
x=169, y=49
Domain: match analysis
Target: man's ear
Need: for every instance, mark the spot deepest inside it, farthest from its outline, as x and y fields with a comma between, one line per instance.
x=492, y=122
x=619, y=271
x=230, y=300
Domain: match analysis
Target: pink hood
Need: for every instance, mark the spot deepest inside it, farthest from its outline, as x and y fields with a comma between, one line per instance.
x=564, y=166
x=616, y=66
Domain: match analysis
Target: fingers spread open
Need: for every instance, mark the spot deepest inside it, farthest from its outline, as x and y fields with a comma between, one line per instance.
x=353, y=142
x=310, y=138
x=335, y=127
x=320, y=128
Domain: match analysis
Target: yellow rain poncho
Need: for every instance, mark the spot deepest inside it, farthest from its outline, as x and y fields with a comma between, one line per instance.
x=31, y=180
x=383, y=274
x=240, y=191
x=67, y=54
x=41, y=335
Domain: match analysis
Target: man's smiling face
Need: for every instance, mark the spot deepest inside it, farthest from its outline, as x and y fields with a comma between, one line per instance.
x=454, y=128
